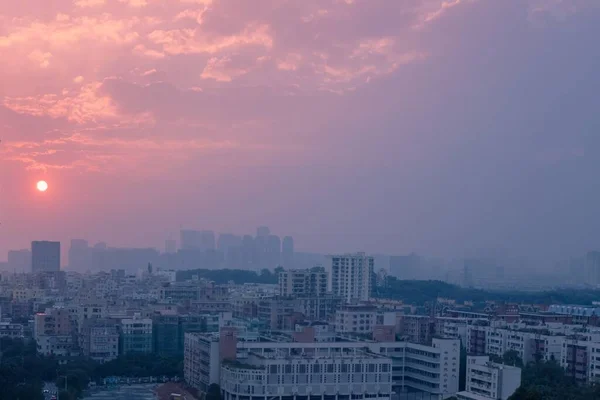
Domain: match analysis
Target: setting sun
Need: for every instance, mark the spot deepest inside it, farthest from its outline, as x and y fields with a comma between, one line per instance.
x=42, y=186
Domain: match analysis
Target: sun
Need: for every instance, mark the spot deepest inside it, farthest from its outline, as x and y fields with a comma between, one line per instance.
x=42, y=186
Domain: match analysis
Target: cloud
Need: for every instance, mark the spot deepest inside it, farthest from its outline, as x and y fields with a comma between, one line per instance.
x=89, y=3
x=87, y=105
x=40, y=58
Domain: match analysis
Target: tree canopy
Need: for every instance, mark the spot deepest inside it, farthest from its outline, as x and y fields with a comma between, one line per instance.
x=421, y=292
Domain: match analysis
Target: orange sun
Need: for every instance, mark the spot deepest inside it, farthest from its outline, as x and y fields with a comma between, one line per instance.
x=42, y=186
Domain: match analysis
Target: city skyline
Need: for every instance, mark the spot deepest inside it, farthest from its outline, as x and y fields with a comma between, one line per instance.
x=431, y=126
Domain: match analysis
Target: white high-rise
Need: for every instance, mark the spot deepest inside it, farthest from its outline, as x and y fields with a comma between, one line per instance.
x=350, y=276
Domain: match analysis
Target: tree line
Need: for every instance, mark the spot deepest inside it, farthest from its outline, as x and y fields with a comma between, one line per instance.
x=422, y=292
x=23, y=371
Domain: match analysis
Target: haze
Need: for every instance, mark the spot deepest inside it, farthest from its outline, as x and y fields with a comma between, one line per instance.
x=441, y=127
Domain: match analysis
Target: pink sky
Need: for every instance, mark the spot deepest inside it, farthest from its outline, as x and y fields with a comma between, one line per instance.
x=341, y=122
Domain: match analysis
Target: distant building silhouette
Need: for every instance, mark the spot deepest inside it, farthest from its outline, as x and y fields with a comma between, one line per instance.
x=207, y=240
x=19, y=260
x=287, y=252
x=170, y=246
x=45, y=256
x=190, y=240
x=263, y=231
x=79, y=255
x=592, y=267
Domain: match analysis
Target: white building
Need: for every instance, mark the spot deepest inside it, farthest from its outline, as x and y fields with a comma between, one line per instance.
x=350, y=276
x=487, y=380
x=279, y=375
x=431, y=369
x=201, y=355
x=529, y=344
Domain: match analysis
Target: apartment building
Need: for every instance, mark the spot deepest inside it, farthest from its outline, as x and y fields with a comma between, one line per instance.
x=53, y=332
x=99, y=339
x=303, y=282
x=318, y=307
x=529, y=344
x=432, y=369
x=8, y=329
x=350, y=276
x=488, y=380
x=355, y=319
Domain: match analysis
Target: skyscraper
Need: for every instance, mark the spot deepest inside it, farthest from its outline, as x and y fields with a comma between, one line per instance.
x=80, y=257
x=207, y=240
x=263, y=231
x=287, y=252
x=350, y=276
x=170, y=246
x=272, y=255
x=190, y=240
x=592, y=266
x=19, y=260
x=45, y=256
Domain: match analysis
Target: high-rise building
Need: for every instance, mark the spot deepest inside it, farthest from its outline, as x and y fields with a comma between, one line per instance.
x=227, y=241
x=249, y=252
x=45, y=256
x=190, y=240
x=272, y=255
x=263, y=231
x=170, y=246
x=592, y=267
x=207, y=240
x=350, y=276
x=231, y=247
x=19, y=260
x=80, y=256
x=287, y=252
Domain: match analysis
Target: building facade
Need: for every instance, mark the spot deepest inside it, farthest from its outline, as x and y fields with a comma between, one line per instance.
x=45, y=256
x=302, y=282
x=350, y=276
x=136, y=335
x=487, y=380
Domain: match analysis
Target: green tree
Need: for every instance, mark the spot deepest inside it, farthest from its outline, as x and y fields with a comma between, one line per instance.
x=213, y=392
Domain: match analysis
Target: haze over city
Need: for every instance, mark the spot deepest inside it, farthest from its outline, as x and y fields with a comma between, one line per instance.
x=384, y=126
x=299, y=199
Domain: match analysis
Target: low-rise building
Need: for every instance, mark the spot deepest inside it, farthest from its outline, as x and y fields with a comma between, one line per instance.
x=280, y=375
x=487, y=380
x=416, y=368
x=355, y=319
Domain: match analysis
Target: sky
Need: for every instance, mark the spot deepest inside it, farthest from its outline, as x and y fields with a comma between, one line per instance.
x=441, y=127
